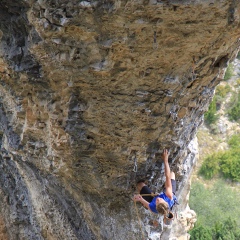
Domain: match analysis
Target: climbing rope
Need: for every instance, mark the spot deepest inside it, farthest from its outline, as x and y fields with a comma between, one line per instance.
x=139, y=220
x=150, y=194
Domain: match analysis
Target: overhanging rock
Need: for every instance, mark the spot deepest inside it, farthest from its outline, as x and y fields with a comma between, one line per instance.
x=90, y=94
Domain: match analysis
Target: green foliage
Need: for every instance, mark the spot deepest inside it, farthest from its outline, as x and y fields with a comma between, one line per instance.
x=234, y=141
x=210, y=167
x=230, y=164
x=234, y=112
x=199, y=232
x=238, y=82
x=215, y=204
x=229, y=72
x=226, y=230
x=226, y=163
x=219, y=101
x=222, y=91
x=211, y=116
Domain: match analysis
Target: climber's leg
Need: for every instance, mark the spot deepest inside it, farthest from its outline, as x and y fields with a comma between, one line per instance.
x=142, y=188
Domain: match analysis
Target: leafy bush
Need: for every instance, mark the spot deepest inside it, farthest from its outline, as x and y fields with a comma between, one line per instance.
x=234, y=141
x=220, y=94
x=230, y=164
x=227, y=163
x=234, y=112
x=211, y=115
x=222, y=91
x=229, y=72
x=238, y=82
x=214, y=204
x=210, y=167
x=226, y=230
x=199, y=232
x=219, y=101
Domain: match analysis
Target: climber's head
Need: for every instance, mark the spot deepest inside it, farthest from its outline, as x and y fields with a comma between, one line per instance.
x=162, y=206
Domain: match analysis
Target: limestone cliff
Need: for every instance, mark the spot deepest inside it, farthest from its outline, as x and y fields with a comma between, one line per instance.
x=90, y=94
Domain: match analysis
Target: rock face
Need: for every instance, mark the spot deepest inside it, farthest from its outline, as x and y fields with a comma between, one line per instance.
x=90, y=94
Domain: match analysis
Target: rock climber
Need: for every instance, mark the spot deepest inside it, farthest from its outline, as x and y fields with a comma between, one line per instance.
x=163, y=202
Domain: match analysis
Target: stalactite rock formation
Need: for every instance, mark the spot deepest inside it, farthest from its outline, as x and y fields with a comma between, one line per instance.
x=90, y=94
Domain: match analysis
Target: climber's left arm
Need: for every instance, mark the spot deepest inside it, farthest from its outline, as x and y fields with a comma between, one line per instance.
x=139, y=198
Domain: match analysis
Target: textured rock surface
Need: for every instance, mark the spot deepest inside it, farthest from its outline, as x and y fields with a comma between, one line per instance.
x=90, y=93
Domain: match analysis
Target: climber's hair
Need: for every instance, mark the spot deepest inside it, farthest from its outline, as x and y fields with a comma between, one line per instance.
x=162, y=208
